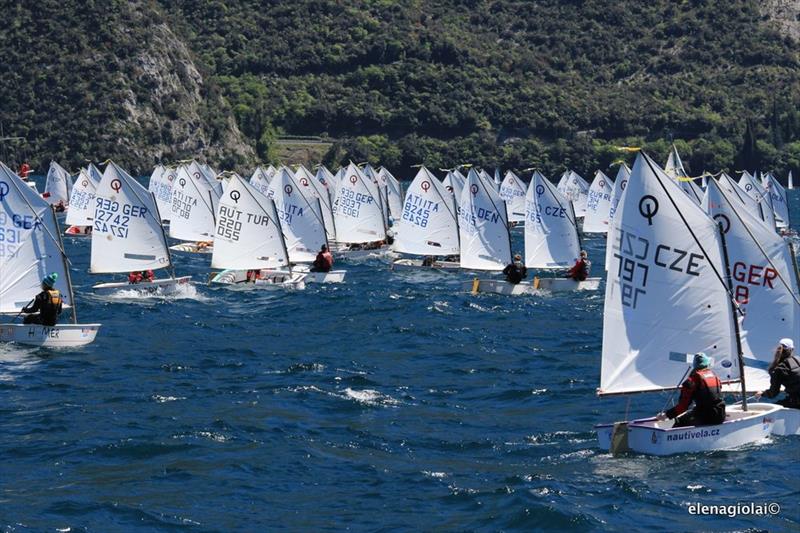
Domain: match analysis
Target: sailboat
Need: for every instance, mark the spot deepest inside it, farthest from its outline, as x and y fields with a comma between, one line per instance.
x=512, y=192
x=674, y=169
x=127, y=235
x=753, y=188
x=160, y=185
x=790, y=181
x=483, y=232
x=194, y=202
x=312, y=186
x=576, y=189
x=777, y=200
x=57, y=187
x=428, y=225
x=394, y=193
x=668, y=296
x=454, y=184
x=81, y=205
x=31, y=249
x=249, y=239
x=261, y=178
x=302, y=221
x=361, y=222
x=598, y=204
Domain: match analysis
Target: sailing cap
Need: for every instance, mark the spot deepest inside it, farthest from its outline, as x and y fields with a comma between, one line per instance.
x=50, y=280
x=700, y=361
x=787, y=343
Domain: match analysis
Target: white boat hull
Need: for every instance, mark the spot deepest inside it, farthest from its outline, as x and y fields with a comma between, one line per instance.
x=192, y=248
x=651, y=437
x=60, y=335
x=787, y=421
x=162, y=286
x=416, y=264
x=269, y=280
x=362, y=255
x=495, y=286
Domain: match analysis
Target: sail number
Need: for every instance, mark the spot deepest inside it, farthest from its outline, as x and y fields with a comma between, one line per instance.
x=114, y=218
x=350, y=202
x=637, y=254
x=754, y=275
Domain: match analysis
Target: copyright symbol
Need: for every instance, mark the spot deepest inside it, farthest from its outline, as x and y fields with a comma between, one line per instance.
x=774, y=508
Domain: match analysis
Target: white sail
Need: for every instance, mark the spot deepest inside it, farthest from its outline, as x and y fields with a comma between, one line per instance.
x=58, y=184
x=29, y=244
x=300, y=216
x=380, y=184
x=562, y=182
x=623, y=174
x=498, y=182
x=357, y=209
x=790, y=181
x=759, y=194
x=261, y=178
x=512, y=191
x=161, y=186
x=666, y=296
x=598, y=205
x=576, y=189
x=192, y=210
x=394, y=192
x=483, y=226
x=735, y=191
x=454, y=185
x=764, y=283
x=674, y=169
x=776, y=199
x=126, y=230
x=551, y=234
x=81, y=201
x=314, y=187
x=94, y=172
x=248, y=233
x=429, y=223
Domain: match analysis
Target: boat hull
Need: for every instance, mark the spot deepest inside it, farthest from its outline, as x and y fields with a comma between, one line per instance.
x=192, y=248
x=271, y=280
x=787, y=421
x=416, y=264
x=60, y=335
x=162, y=286
x=651, y=437
x=495, y=286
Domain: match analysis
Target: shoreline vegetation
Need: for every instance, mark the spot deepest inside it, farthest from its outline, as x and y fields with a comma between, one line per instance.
x=549, y=85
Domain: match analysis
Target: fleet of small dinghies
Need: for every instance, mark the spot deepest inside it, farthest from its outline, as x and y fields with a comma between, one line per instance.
x=691, y=268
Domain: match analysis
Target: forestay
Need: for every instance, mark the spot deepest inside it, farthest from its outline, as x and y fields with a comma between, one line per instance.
x=248, y=234
x=666, y=296
x=192, y=210
x=598, y=205
x=29, y=248
x=429, y=224
x=483, y=226
x=551, y=234
x=81, y=201
x=512, y=192
x=58, y=185
x=126, y=233
x=764, y=282
x=357, y=209
x=300, y=217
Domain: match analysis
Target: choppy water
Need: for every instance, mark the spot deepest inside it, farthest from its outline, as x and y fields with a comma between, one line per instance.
x=393, y=401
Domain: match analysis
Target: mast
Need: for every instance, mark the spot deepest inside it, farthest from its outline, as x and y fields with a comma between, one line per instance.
x=734, y=307
x=66, y=267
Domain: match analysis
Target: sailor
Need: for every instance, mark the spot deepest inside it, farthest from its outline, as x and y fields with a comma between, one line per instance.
x=24, y=170
x=46, y=305
x=60, y=207
x=784, y=371
x=428, y=261
x=253, y=275
x=147, y=275
x=324, y=260
x=139, y=276
x=703, y=388
x=580, y=270
x=516, y=271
